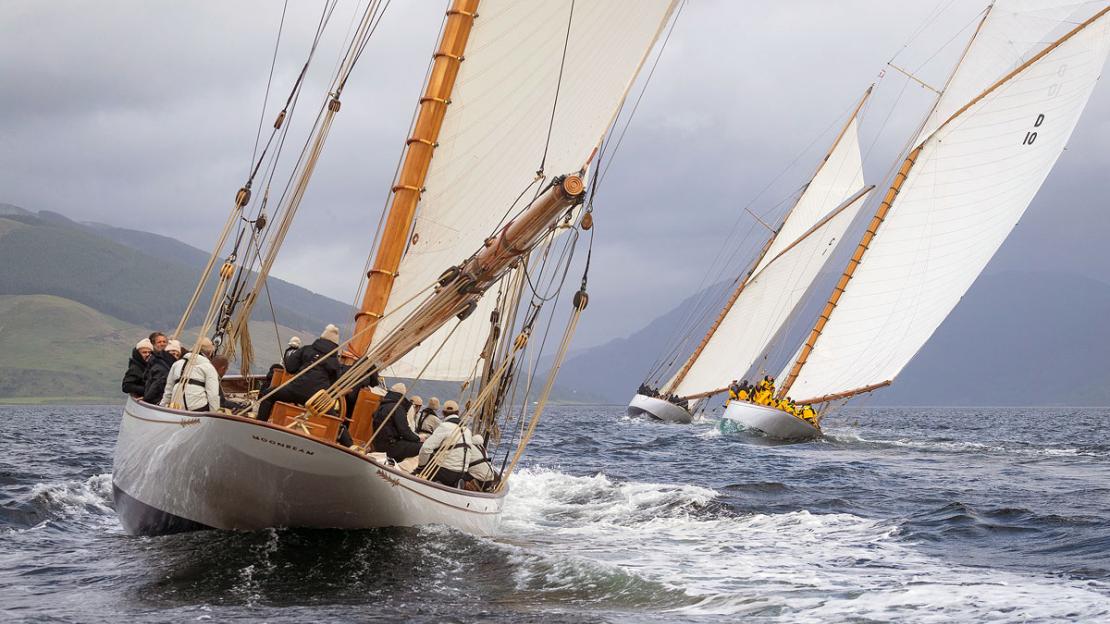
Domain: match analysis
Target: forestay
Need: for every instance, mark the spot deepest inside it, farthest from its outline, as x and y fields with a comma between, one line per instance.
x=973, y=179
x=766, y=304
x=495, y=137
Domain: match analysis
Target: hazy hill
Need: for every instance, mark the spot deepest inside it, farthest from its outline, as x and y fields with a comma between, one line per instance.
x=46, y=253
x=1017, y=338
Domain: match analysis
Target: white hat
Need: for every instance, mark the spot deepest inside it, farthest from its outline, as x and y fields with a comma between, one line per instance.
x=433, y=403
x=174, y=345
x=450, y=407
x=295, y=341
x=415, y=400
x=331, y=332
x=144, y=344
x=399, y=388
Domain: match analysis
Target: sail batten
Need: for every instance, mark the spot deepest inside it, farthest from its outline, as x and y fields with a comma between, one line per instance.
x=977, y=172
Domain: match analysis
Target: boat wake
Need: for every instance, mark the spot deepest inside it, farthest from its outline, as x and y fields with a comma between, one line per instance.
x=966, y=446
x=678, y=549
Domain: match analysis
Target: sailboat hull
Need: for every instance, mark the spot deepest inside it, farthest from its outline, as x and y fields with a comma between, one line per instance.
x=773, y=423
x=179, y=471
x=659, y=409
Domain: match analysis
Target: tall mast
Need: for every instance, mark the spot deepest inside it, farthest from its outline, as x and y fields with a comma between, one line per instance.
x=763, y=252
x=410, y=182
x=857, y=256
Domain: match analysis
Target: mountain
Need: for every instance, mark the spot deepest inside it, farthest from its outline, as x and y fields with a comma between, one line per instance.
x=1016, y=338
x=144, y=279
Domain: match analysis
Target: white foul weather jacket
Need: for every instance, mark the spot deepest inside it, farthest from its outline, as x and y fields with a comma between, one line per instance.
x=202, y=389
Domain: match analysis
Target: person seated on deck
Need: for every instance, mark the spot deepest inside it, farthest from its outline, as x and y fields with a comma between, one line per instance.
x=762, y=395
x=414, y=412
x=133, y=383
x=292, y=347
x=734, y=391
x=453, y=447
x=221, y=364
x=154, y=381
x=807, y=414
x=201, y=391
x=392, y=427
x=315, y=377
x=481, y=474
x=428, y=419
x=158, y=340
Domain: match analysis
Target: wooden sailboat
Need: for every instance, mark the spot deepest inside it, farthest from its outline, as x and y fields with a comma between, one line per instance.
x=981, y=155
x=517, y=100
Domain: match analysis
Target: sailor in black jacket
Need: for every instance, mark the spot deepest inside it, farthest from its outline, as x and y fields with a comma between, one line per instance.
x=154, y=382
x=313, y=379
x=134, y=379
x=395, y=438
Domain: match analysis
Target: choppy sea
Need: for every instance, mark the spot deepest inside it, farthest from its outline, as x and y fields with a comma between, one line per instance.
x=898, y=515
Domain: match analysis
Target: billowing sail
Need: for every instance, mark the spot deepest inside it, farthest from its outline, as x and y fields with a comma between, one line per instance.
x=1011, y=33
x=500, y=129
x=840, y=177
x=737, y=339
x=973, y=179
x=766, y=304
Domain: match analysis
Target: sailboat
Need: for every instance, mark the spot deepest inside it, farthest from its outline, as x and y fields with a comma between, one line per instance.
x=980, y=156
x=495, y=183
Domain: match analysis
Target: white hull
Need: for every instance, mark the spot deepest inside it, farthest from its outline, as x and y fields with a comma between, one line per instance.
x=660, y=409
x=178, y=471
x=772, y=422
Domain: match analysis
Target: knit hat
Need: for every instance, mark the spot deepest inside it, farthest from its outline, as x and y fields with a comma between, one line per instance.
x=331, y=332
x=144, y=344
x=174, y=346
x=295, y=341
x=433, y=403
x=416, y=401
x=450, y=407
x=399, y=388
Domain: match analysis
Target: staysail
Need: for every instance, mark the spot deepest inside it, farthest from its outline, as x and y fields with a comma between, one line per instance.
x=764, y=301
x=539, y=84
x=961, y=193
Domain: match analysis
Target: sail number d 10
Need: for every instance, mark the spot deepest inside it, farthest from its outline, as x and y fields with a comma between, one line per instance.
x=1032, y=134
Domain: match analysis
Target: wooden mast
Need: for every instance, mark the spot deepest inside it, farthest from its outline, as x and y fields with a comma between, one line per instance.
x=766, y=247
x=410, y=181
x=849, y=271
x=884, y=208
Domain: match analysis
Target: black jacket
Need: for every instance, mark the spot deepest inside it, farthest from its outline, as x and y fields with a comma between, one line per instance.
x=322, y=375
x=397, y=427
x=154, y=382
x=134, y=379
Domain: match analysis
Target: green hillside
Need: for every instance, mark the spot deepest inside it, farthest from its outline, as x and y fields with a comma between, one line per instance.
x=57, y=350
x=49, y=254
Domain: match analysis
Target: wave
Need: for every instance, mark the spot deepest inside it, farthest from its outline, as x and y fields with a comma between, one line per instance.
x=63, y=500
x=681, y=551
x=967, y=446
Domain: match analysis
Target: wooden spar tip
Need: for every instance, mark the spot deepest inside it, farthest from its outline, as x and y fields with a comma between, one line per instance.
x=846, y=394
x=573, y=186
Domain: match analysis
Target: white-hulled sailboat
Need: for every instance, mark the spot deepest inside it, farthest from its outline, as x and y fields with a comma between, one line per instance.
x=994, y=134
x=518, y=97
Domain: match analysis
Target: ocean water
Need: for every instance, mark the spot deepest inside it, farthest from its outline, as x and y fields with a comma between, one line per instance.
x=899, y=515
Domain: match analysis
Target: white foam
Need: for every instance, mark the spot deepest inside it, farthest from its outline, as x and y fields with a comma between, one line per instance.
x=794, y=566
x=73, y=498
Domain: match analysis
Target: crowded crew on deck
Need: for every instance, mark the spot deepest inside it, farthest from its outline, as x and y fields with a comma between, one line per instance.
x=763, y=393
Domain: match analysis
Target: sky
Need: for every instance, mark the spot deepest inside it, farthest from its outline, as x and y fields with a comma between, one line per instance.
x=144, y=115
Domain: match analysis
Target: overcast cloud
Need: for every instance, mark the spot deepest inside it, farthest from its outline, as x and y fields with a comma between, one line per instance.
x=143, y=115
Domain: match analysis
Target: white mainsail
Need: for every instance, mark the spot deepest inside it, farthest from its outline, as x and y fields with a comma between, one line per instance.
x=766, y=304
x=499, y=130
x=840, y=176
x=973, y=179
x=752, y=318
